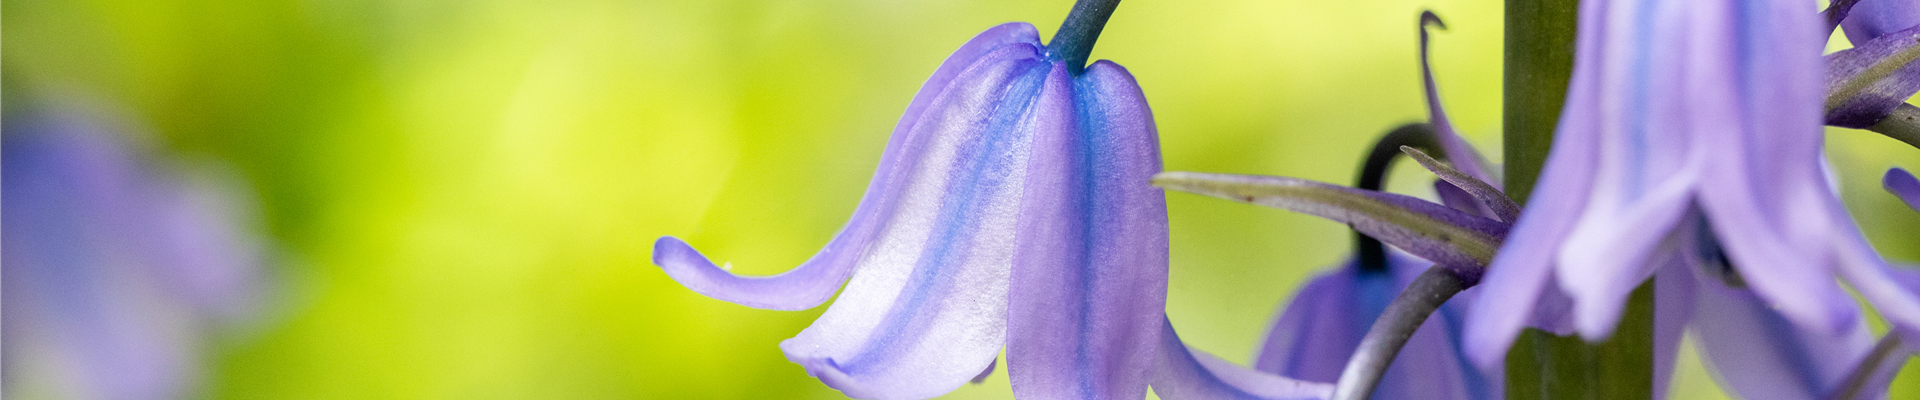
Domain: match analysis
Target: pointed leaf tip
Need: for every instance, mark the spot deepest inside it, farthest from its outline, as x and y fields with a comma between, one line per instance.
x=1503, y=208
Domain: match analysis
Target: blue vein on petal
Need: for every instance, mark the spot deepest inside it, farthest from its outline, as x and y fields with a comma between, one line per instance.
x=1086, y=99
x=932, y=267
x=1642, y=69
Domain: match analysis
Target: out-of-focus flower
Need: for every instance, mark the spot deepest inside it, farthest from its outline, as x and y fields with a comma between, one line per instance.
x=1324, y=322
x=116, y=269
x=1753, y=350
x=1676, y=108
x=1870, y=19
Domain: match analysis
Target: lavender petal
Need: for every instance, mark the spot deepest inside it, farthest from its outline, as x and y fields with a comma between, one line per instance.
x=813, y=282
x=1518, y=277
x=1758, y=353
x=1871, y=19
x=925, y=310
x=1090, y=278
x=1182, y=373
x=1463, y=155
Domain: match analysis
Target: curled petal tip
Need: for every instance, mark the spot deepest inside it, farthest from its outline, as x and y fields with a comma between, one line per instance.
x=1428, y=18
x=1902, y=183
x=1181, y=372
x=671, y=250
x=982, y=378
x=799, y=289
x=829, y=373
x=864, y=380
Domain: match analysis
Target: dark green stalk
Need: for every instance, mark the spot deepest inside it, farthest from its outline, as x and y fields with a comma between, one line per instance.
x=1903, y=125
x=1539, y=66
x=1074, y=42
x=1373, y=176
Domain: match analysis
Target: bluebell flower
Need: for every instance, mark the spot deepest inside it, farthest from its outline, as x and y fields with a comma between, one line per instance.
x=116, y=269
x=1710, y=107
x=1011, y=207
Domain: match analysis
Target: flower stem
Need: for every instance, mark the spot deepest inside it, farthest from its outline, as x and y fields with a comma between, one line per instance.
x=1836, y=12
x=1074, y=42
x=1903, y=125
x=1539, y=65
x=1391, y=332
x=1373, y=176
x=1875, y=361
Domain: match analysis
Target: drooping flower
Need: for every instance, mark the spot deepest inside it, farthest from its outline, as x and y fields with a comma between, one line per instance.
x=1011, y=208
x=1676, y=108
x=116, y=269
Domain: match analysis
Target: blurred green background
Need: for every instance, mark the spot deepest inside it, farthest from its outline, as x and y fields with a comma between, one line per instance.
x=464, y=194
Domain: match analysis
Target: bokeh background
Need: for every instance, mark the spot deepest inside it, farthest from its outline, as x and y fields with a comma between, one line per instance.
x=460, y=196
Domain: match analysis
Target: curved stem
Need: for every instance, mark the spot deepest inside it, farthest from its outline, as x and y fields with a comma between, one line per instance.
x=1074, y=42
x=1863, y=374
x=1391, y=332
x=1373, y=176
x=1903, y=125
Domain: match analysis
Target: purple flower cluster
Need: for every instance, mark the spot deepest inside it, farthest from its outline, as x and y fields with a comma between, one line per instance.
x=1015, y=207
x=116, y=270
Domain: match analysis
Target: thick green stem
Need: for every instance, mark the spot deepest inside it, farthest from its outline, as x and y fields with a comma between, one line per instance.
x=1539, y=63
x=1539, y=66
x=1545, y=366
